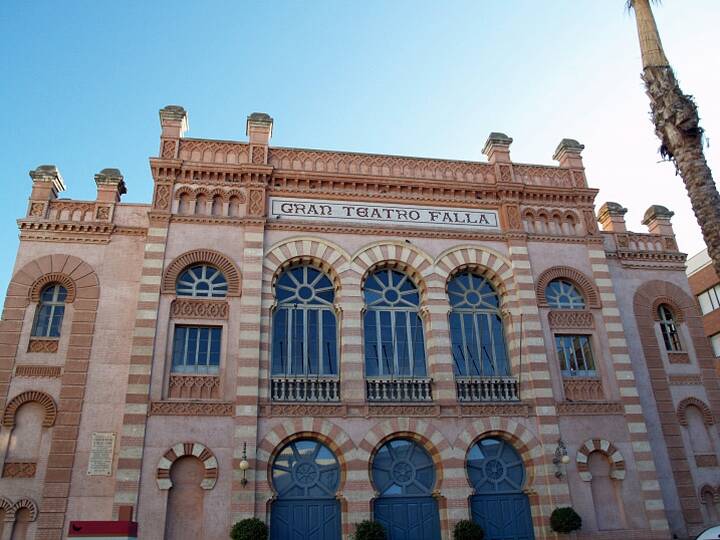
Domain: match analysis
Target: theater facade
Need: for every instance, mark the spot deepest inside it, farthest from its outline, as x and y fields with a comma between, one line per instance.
x=316, y=338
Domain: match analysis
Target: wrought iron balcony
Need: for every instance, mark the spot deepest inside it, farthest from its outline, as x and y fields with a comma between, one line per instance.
x=409, y=389
x=302, y=388
x=487, y=389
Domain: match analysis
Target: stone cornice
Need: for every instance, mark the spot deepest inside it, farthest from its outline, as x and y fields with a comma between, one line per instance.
x=74, y=231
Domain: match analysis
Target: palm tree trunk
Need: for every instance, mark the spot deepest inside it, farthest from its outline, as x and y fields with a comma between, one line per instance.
x=677, y=125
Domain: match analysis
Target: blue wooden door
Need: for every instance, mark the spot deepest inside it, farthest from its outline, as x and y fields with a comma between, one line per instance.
x=317, y=519
x=412, y=518
x=305, y=475
x=404, y=475
x=499, y=505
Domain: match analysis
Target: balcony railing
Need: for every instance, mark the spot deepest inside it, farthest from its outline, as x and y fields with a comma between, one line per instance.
x=409, y=389
x=487, y=389
x=305, y=389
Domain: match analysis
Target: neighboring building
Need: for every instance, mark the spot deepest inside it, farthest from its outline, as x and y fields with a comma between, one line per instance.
x=317, y=338
x=705, y=284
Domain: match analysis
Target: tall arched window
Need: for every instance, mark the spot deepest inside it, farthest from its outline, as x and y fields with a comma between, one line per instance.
x=304, y=324
x=562, y=294
x=49, y=315
x=202, y=281
x=670, y=335
x=478, y=343
x=394, y=340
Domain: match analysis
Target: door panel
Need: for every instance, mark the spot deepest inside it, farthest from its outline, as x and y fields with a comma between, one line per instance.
x=307, y=519
x=408, y=518
x=503, y=517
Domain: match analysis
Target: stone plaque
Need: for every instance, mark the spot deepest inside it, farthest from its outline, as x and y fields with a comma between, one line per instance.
x=388, y=214
x=102, y=446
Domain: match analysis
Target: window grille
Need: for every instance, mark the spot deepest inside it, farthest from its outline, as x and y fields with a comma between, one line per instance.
x=202, y=281
x=394, y=339
x=49, y=315
x=670, y=335
x=561, y=294
x=476, y=328
x=575, y=355
x=196, y=349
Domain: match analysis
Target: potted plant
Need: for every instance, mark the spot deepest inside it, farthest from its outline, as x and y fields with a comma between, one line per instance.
x=369, y=530
x=249, y=529
x=565, y=520
x=468, y=530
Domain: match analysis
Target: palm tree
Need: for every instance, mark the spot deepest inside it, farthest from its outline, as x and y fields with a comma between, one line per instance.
x=677, y=125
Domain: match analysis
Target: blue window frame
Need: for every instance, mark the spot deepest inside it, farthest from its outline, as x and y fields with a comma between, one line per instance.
x=196, y=349
x=305, y=468
x=202, y=281
x=476, y=327
x=403, y=468
x=394, y=338
x=575, y=355
x=304, y=324
x=49, y=315
x=561, y=294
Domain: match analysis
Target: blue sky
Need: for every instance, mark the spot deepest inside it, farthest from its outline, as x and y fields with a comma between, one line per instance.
x=81, y=83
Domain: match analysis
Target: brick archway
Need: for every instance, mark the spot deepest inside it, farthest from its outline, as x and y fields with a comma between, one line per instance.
x=26, y=503
x=179, y=450
x=587, y=288
x=488, y=263
x=707, y=414
x=37, y=396
x=616, y=459
x=328, y=257
x=199, y=256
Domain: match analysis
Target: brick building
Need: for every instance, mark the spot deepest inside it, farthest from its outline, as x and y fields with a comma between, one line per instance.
x=705, y=285
x=317, y=338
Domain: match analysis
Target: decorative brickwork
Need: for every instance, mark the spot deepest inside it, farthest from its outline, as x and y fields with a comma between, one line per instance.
x=187, y=449
x=583, y=389
x=571, y=319
x=193, y=308
x=42, y=398
x=584, y=284
x=191, y=408
x=48, y=279
x=33, y=370
x=695, y=402
x=200, y=256
x=617, y=462
x=647, y=297
x=36, y=345
x=677, y=311
x=26, y=503
x=193, y=386
x=19, y=469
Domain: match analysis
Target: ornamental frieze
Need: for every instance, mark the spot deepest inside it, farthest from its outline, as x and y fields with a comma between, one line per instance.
x=199, y=309
x=191, y=408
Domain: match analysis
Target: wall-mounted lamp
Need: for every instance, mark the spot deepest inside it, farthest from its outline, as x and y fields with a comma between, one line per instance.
x=244, y=466
x=561, y=458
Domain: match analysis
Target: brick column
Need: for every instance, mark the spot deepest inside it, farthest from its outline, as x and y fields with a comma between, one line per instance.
x=625, y=378
x=439, y=349
x=248, y=373
x=137, y=396
x=536, y=389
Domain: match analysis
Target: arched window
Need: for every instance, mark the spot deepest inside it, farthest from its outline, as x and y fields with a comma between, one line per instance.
x=23, y=518
x=184, y=204
x=217, y=205
x=476, y=329
x=49, y=315
x=669, y=330
x=394, y=340
x=234, y=206
x=304, y=324
x=562, y=294
x=202, y=281
x=201, y=204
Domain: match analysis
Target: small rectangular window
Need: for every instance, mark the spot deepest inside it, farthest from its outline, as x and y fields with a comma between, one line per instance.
x=715, y=340
x=196, y=349
x=575, y=355
x=709, y=299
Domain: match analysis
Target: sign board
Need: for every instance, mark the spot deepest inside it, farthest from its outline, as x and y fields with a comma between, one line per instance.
x=102, y=446
x=383, y=214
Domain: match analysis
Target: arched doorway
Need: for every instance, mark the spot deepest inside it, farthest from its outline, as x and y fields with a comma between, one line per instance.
x=404, y=475
x=499, y=506
x=306, y=476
